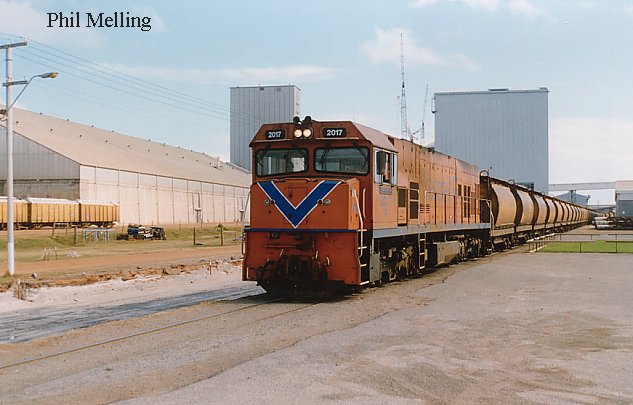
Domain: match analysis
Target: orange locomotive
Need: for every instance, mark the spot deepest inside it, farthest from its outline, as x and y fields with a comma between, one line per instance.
x=340, y=204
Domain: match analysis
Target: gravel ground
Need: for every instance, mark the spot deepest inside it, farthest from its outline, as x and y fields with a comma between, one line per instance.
x=49, y=311
x=527, y=328
x=512, y=328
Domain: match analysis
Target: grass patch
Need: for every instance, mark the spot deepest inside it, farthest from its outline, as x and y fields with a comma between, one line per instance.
x=30, y=245
x=598, y=246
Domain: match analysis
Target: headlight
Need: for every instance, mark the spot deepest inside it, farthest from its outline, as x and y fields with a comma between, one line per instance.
x=307, y=132
x=298, y=133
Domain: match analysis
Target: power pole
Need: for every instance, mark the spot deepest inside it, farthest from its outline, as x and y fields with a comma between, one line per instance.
x=9, y=115
x=404, y=126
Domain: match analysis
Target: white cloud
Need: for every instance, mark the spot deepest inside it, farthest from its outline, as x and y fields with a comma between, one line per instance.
x=590, y=149
x=518, y=7
x=286, y=74
x=385, y=47
x=526, y=8
x=20, y=18
x=485, y=4
x=422, y=3
x=490, y=5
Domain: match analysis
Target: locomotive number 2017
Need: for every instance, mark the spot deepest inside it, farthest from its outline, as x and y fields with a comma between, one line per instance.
x=275, y=134
x=334, y=132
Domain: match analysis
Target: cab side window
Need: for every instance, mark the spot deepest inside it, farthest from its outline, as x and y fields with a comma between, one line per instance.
x=386, y=167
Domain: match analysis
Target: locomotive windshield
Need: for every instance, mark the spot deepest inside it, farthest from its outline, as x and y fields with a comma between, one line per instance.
x=342, y=160
x=281, y=161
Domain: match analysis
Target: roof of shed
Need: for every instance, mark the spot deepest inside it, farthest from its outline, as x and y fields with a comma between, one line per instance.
x=90, y=146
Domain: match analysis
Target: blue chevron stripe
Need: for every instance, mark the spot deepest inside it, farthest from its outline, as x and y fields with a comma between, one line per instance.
x=296, y=215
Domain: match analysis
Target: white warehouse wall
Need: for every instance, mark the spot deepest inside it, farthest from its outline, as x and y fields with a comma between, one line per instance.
x=151, y=199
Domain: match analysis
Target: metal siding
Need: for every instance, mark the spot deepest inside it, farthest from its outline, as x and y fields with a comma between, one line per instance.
x=624, y=208
x=34, y=161
x=507, y=131
x=56, y=147
x=43, y=170
x=251, y=107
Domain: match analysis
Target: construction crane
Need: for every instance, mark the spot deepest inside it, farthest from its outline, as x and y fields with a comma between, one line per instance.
x=404, y=126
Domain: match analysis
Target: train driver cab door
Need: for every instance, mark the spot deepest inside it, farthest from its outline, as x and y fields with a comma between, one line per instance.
x=385, y=181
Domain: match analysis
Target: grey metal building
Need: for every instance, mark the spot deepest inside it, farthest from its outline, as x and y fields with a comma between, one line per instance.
x=253, y=106
x=153, y=183
x=500, y=130
x=624, y=198
x=574, y=198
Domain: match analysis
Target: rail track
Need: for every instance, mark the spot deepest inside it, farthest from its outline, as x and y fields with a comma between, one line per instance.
x=239, y=293
x=26, y=325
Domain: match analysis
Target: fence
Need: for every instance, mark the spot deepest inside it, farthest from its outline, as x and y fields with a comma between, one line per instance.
x=583, y=243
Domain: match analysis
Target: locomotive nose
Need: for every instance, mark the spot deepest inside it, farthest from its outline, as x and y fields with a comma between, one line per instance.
x=299, y=228
x=304, y=204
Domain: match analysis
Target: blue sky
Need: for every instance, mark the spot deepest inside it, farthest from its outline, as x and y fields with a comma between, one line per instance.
x=345, y=57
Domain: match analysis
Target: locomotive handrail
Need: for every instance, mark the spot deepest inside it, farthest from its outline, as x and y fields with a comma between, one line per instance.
x=492, y=215
x=360, y=215
x=248, y=198
x=361, y=246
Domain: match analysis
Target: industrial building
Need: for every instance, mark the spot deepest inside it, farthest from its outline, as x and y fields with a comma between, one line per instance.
x=500, y=130
x=253, y=106
x=624, y=198
x=574, y=198
x=152, y=182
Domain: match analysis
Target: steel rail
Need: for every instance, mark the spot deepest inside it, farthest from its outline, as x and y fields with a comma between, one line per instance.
x=154, y=330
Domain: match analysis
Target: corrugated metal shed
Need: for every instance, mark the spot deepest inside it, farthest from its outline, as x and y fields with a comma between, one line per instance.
x=90, y=146
x=153, y=183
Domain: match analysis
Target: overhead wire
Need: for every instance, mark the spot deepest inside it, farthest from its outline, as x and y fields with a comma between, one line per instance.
x=46, y=55
x=98, y=101
x=126, y=91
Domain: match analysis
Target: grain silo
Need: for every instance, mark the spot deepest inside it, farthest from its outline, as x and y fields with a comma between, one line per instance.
x=253, y=106
x=500, y=130
x=153, y=183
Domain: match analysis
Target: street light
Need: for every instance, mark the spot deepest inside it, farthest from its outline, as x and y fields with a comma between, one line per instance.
x=25, y=83
x=9, y=117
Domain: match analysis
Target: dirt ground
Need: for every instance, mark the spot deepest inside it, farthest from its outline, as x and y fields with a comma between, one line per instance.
x=66, y=271
x=511, y=328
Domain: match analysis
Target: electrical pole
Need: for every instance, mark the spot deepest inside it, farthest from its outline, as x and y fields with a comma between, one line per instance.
x=9, y=115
